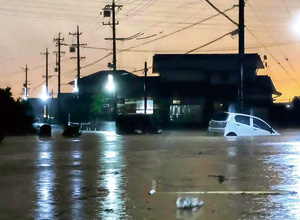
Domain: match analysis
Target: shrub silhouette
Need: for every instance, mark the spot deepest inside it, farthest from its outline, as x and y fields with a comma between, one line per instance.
x=16, y=116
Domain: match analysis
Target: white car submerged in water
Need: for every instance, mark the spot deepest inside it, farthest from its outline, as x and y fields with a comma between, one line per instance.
x=235, y=124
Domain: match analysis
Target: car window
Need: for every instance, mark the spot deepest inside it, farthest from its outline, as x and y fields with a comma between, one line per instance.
x=260, y=124
x=242, y=119
x=221, y=116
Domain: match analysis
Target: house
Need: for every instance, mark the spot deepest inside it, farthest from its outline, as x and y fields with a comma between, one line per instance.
x=189, y=88
x=203, y=83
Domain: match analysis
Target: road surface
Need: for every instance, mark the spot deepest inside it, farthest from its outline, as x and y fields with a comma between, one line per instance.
x=101, y=175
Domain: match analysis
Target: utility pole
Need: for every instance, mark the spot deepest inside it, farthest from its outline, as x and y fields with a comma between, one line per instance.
x=241, y=51
x=145, y=89
x=47, y=77
x=58, y=53
x=112, y=8
x=79, y=58
x=26, y=83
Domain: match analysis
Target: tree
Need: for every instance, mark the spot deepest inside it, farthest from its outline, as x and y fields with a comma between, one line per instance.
x=99, y=104
x=16, y=116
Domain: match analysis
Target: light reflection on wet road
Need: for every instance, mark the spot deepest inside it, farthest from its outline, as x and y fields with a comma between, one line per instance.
x=105, y=176
x=45, y=180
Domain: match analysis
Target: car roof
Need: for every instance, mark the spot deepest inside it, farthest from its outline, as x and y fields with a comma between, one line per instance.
x=235, y=114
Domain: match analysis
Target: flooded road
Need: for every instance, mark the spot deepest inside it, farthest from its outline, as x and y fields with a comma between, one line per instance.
x=102, y=175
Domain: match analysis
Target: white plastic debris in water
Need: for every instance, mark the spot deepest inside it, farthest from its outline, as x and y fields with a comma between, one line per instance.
x=188, y=202
x=152, y=192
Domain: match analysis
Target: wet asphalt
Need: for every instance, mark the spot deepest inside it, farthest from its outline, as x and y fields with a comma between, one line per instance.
x=101, y=175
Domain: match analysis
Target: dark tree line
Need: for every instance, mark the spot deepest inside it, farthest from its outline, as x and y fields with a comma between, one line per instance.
x=16, y=116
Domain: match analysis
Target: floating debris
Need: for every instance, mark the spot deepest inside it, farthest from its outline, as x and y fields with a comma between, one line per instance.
x=221, y=178
x=152, y=192
x=153, y=188
x=188, y=203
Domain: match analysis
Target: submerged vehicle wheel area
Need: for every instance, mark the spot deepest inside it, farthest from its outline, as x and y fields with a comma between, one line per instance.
x=231, y=134
x=236, y=124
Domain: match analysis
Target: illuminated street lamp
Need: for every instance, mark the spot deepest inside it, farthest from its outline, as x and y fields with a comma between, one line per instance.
x=25, y=94
x=75, y=89
x=110, y=84
x=45, y=97
x=297, y=25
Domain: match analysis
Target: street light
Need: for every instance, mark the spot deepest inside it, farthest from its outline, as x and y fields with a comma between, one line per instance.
x=44, y=95
x=75, y=89
x=25, y=94
x=110, y=84
x=297, y=25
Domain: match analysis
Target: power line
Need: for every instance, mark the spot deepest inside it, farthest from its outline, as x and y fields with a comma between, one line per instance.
x=222, y=13
x=288, y=11
x=48, y=8
x=38, y=85
x=63, y=7
x=165, y=20
x=143, y=7
x=41, y=17
x=275, y=59
x=180, y=30
x=211, y=42
x=97, y=61
x=215, y=49
x=271, y=54
x=46, y=13
x=60, y=6
x=167, y=35
x=66, y=17
x=33, y=68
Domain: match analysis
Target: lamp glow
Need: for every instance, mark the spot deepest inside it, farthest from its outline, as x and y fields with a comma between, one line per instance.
x=44, y=95
x=25, y=94
x=110, y=85
x=297, y=25
x=75, y=89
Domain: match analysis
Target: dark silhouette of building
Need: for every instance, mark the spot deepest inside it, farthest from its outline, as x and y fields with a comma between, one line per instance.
x=189, y=88
x=211, y=82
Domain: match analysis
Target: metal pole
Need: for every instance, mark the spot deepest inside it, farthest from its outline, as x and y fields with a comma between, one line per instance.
x=114, y=56
x=78, y=59
x=58, y=44
x=241, y=50
x=58, y=89
x=47, y=104
x=145, y=89
x=26, y=82
x=58, y=63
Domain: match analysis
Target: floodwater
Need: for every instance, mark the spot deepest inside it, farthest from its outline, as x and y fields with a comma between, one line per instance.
x=101, y=175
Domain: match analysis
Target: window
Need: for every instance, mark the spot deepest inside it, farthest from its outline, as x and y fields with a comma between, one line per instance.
x=260, y=124
x=141, y=107
x=221, y=116
x=242, y=119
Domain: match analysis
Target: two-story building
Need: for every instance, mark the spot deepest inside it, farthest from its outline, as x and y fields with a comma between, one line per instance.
x=189, y=88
